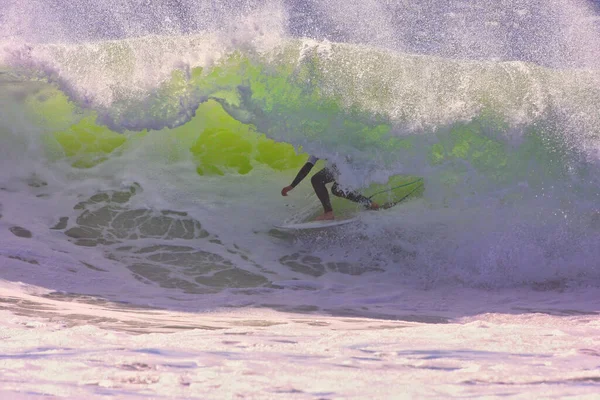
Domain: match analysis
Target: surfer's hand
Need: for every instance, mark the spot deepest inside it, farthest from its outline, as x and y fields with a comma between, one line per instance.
x=285, y=190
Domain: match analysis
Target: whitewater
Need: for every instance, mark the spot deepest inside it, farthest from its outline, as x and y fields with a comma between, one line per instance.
x=144, y=146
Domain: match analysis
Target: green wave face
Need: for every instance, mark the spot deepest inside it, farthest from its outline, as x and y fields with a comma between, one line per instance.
x=367, y=109
x=228, y=132
x=218, y=143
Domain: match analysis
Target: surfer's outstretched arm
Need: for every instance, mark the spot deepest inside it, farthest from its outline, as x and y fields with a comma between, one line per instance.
x=300, y=176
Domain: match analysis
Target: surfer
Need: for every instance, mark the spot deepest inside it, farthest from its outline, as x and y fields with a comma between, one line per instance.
x=319, y=180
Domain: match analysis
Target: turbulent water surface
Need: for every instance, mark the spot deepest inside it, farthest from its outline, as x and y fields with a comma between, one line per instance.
x=143, y=147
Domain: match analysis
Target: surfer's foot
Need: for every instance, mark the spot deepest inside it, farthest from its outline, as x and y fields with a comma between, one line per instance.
x=328, y=216
x=373, y=206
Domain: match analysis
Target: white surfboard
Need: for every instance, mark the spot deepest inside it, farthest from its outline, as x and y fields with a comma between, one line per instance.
x=315, y=224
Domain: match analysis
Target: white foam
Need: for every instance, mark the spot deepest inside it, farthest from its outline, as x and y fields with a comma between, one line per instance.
x=548, y=349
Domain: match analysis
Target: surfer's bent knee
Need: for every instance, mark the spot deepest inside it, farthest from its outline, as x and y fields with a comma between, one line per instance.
x=336, y=191
x=352, y=196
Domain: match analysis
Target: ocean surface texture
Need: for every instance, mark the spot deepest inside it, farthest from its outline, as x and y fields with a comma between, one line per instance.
x=144, y=146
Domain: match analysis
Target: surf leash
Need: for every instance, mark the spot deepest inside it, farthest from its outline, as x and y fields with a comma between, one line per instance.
x=397, y=187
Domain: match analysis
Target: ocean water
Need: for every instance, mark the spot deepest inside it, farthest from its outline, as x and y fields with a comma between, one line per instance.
x=143, y=148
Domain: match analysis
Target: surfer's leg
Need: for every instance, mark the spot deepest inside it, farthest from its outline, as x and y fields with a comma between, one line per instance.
x=353, y=196
x=319, y=180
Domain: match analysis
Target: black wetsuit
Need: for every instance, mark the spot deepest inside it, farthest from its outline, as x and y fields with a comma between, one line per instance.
x=323, y=177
